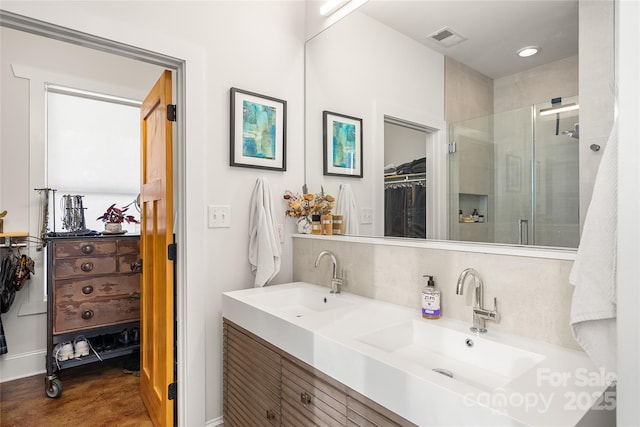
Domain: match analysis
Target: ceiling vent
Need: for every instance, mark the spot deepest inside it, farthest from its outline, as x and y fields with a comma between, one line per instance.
x=446, y=37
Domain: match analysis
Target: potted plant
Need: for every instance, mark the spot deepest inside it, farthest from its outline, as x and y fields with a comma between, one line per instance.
x=113, y=218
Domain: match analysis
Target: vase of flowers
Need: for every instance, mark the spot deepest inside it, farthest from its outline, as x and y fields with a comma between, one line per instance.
x=301, y=207
x=113, y=218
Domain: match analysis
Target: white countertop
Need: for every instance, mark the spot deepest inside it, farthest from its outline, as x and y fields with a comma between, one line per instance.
x=562, y=386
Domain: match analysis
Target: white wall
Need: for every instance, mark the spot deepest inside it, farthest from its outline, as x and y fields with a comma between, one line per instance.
x=257, y=46
x=628, y=271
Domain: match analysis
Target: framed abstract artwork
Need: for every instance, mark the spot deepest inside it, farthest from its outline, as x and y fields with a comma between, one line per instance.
x=342, y=145
x=258, y=131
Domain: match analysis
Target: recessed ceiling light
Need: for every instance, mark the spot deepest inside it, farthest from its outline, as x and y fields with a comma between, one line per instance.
x=528, y=51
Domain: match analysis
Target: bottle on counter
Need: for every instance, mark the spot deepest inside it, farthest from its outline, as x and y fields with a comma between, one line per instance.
x=430, y=299
x=315, y=224
x=475, y=215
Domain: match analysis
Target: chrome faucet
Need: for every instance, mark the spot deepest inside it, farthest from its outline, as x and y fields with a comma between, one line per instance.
x=480, y=314
x=336, y=281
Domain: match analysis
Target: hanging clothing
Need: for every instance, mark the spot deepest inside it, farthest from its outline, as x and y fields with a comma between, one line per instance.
x=14, y=272
x=405, y=210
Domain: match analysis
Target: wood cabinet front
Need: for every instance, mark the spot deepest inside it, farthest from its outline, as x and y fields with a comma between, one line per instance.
x=251, y=381
x=265, y=386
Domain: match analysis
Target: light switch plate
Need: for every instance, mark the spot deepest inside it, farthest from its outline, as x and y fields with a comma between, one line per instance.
x=219, y=216
x=366, y=216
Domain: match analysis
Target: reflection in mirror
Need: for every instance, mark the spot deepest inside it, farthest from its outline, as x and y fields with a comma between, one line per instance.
x=405, y=179
x=514, y=178
x=526, y=176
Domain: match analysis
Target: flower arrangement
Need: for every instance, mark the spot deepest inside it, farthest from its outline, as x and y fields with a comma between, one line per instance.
x=117, y=215
x=308, y=204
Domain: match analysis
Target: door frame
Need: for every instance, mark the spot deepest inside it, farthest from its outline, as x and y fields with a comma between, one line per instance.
x=177, y=66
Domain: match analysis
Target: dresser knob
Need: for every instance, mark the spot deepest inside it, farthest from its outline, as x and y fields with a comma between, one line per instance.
x=88, y=289
x=86, y=266
x=87, y=314
x=87, y=249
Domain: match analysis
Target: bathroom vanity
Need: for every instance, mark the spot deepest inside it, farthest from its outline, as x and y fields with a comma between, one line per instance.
x=286, y=391
x=295, y=354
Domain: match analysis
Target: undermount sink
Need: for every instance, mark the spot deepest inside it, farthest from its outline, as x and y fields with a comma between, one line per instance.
x=300, y=301
x=475, y=360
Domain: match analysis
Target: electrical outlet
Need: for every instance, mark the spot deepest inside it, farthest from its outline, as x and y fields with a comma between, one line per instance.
x=366, y=216
x=219, y=216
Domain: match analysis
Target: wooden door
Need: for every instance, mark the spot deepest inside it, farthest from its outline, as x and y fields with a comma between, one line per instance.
x=156, y=234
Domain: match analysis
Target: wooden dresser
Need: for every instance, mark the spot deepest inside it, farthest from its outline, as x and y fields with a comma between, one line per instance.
x=93, y=290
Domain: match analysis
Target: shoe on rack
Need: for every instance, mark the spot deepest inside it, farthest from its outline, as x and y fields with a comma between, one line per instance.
x=123, y=338
x=134, y=336
x=63, y=351
x=110, y=341
x=97, y=343
x=81, y=346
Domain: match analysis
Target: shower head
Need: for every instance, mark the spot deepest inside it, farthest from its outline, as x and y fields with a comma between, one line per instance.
x=575, y=133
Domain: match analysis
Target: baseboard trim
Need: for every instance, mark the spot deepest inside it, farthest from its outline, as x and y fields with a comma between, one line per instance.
x=22, y=365
x=216, y=422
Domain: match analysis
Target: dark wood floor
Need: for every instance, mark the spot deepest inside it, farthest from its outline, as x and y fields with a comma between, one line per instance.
x=98, y=394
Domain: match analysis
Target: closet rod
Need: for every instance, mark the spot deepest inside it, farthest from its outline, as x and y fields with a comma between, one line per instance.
x=395, y=180
x=8, y=239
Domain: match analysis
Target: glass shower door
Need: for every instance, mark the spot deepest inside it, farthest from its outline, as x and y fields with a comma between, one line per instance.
x=519, y=171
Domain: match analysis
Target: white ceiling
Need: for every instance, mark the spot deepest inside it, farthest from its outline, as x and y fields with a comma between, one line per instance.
x=494, y=30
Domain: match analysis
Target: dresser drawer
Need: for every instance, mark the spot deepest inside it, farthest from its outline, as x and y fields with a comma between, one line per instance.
x=74, y=315
x=87, y=266
x=91, y=289
x=129, y=246
x=79, y=248
x=125, y=261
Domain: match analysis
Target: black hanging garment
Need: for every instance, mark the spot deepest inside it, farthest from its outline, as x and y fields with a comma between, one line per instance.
x=14, y=272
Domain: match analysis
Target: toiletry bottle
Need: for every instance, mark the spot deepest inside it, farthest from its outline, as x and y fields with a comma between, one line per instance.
x=475, y=215
x=316, y=226
x=430, y=299
x=460, y=215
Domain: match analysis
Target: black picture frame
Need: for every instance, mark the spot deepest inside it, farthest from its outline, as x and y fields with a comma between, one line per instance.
x=258, y=125
x=342, y=145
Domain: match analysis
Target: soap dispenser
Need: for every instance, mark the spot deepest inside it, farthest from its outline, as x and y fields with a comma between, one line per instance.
x=430, y=299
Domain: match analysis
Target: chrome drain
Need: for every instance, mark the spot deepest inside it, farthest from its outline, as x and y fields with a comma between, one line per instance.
x=443, y=372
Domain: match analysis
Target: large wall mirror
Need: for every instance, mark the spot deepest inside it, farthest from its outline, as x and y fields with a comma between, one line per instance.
x=463, y=138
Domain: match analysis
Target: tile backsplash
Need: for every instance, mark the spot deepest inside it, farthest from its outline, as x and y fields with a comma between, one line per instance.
x=534, y=294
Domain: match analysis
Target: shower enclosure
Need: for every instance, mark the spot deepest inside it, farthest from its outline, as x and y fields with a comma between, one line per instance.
x=519, y=172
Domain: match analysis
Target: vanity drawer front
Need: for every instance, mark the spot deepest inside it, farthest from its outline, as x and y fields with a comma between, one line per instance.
x=251, y=381
x=79, y=290
x=311, y=399
x=362, y=411
x=74, y=315
x=80, y=248
x=87, y=266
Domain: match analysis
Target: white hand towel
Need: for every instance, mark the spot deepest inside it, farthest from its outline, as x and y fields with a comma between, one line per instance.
x=593, y=307
x=264, y=244
x=347, y=207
